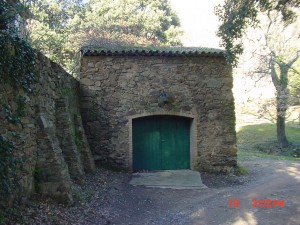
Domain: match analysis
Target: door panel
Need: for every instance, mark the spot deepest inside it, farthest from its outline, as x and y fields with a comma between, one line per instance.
x=161, y=143
x=146, y=145
x=168, y=148
x=182, y=143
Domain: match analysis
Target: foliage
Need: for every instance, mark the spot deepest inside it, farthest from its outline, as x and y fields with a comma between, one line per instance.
x=294, y=84
x=54, y=29
x=60, y=28
x=11, y=163
x=15, y=118
x=8, y=174
x=237, y=15
x=150, y=21
x=8, y=13
x=17, y=69
x=277, y=54
x=17, y=59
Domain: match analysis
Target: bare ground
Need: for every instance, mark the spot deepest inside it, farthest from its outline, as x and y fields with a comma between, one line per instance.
x=107, y=198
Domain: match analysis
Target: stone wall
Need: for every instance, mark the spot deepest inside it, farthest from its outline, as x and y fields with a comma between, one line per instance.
x=117, y=89
x=51, y=142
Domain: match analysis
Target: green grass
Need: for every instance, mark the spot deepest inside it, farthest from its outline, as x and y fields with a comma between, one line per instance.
x=259, y=140
x=240, y=170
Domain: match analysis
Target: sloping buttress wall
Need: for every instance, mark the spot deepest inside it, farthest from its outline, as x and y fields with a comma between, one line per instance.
x=51, y=143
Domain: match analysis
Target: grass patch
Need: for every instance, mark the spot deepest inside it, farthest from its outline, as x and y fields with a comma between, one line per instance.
x=259, y=140
x=240, y=170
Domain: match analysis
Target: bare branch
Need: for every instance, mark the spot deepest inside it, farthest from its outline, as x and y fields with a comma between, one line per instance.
x=266, y=34
x=259, y=78
x=292, y=61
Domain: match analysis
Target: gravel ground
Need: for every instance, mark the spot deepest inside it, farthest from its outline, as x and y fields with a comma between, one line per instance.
x=107, y=198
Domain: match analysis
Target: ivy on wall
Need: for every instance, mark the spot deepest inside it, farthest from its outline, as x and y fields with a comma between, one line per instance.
x=17, y=61
x=17, y=70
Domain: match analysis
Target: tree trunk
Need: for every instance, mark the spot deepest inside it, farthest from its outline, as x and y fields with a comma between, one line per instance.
x=280, y=82
x=282, y=105
x=281, y=137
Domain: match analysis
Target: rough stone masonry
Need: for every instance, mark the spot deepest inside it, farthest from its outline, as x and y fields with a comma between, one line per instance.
x=118, y=87
x=50, y=137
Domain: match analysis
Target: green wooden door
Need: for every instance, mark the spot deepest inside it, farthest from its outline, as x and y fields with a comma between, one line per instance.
x=161, y=143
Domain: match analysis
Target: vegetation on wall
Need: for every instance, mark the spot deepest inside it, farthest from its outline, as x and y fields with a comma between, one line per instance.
x=17, y=58
x=17, y=61
x=17, y=70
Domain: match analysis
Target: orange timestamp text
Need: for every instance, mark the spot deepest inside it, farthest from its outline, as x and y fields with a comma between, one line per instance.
x=264, y=203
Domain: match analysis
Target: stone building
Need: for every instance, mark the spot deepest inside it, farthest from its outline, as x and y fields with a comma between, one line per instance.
x=159, y=109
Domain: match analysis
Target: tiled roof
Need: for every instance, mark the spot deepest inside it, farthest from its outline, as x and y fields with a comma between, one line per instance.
x=152, y=51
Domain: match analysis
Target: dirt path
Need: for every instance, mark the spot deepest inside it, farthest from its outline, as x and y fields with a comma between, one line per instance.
x=119, y=203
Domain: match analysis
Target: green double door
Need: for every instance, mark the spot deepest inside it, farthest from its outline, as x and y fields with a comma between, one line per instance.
x=161, y=143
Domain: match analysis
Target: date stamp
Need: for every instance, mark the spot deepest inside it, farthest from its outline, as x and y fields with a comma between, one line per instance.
x=264, y=203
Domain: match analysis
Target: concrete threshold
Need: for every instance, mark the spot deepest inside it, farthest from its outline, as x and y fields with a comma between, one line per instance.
x=174, y=179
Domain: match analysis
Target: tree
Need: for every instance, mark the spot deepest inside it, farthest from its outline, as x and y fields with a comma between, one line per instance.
x=237, y=15
x=53, y=29
x=141, y=22
x=60, y=28
x=277, y=55
x=277, y=52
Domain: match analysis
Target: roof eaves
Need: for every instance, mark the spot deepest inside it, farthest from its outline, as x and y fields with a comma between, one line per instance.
x=155, y=52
